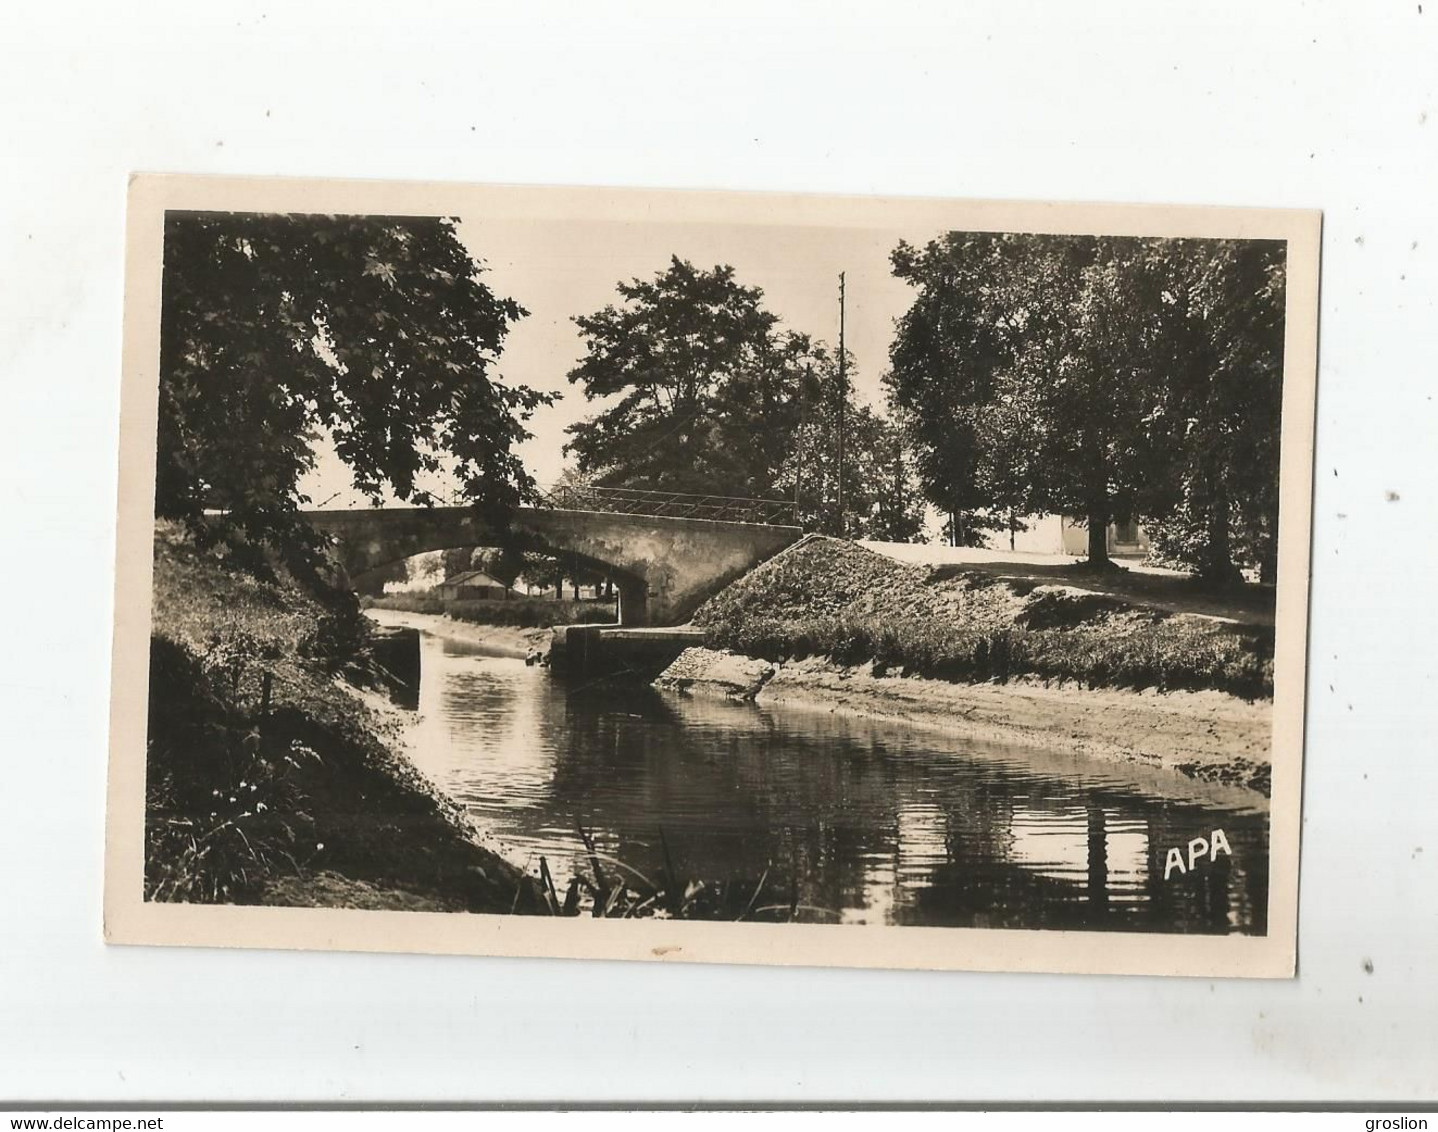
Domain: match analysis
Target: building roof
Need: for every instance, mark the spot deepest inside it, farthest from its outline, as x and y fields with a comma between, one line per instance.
x=473, y=578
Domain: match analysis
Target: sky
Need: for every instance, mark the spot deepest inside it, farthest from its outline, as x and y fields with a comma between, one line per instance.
x=559, y=269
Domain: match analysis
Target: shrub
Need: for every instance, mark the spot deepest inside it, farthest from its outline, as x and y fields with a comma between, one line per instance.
x=223, y=810
x=419, y=601
x=1178, y=653
x=530, y=613
x=1065, y=609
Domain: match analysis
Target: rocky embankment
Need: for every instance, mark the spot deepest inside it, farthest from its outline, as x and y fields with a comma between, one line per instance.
x=830, y=625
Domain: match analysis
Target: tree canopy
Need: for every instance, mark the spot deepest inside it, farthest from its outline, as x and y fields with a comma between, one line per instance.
x=705, y=392
x=1104, y=377
x=685, y=363
x=1215, y=502
x=278, y=329
x=879, y=497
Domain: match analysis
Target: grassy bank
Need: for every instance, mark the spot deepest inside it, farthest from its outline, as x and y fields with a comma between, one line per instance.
x=525, y=613
x=270, y=783
x=833, y=599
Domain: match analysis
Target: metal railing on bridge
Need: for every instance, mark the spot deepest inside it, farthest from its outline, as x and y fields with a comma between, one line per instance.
x=619, y=500
x=673, y=504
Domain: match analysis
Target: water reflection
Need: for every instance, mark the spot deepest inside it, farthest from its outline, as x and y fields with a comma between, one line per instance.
x=844, y=819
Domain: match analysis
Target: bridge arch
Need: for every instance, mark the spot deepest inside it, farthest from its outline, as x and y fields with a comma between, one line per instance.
x=665, y=567
x=633, y=590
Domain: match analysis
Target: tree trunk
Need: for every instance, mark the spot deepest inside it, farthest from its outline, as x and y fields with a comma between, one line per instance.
x=559, y=587
x=1098, y=534
x=1096, y=487
x=1218, y=566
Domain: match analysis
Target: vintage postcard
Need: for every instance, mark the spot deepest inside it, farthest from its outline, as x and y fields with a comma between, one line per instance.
x=712, y=577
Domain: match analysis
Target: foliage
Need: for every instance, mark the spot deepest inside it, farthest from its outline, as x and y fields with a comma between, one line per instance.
x=1216, y=503
x=268, y=783
x=896, y=512
x=879, y=498
x=614, y=890
x=1104, y=377
x=705, y=393
x=374, y=581
x=944, y=364
x=673, y=360
x=831, y=599
x=214, y=830
x=277, y=329
x=513, y=563
x=1178, y=653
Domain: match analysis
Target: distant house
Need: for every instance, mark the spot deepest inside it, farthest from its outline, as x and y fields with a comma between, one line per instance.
x=1064, y=534
x=1125, y=540
x=472, y=585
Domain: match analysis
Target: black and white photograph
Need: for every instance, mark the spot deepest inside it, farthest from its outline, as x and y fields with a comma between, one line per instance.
x=712, y=577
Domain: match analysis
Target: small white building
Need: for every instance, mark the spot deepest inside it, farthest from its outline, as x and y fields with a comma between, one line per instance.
x=473, y=585
x=1125, y=540
x=1064, y=534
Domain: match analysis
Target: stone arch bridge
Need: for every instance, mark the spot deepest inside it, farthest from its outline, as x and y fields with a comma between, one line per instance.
x=664, y=566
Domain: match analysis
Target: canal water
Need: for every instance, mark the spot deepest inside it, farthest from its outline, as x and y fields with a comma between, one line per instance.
x=780, y=813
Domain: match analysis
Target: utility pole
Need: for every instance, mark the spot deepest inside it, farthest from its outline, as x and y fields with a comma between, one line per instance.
x=799, y=442
x=843, y=399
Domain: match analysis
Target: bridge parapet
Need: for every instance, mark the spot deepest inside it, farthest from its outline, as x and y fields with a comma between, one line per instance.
x=674, y=504
x=665, y=566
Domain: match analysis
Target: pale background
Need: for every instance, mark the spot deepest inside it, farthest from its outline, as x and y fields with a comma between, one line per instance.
x=1281, y=104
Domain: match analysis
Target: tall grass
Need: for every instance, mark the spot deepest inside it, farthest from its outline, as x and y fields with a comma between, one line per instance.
x=1176, y=653
x=268, y=783
x=614, y=890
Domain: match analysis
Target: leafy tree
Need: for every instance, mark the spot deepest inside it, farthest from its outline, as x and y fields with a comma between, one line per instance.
x=944, y=365
x=708, y=394
x=759, y=410
x=1007, y=446
x=880, y=499
x=1021, y=369
x=457, y=560
x=1106, y=377
x=424, y=571
x=896, y=513
x=1216, y=506
x=809, y=472
x=378, y=331
x=1089, y=373
x=699, y=381
x=502, y=563
x=512, y=562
